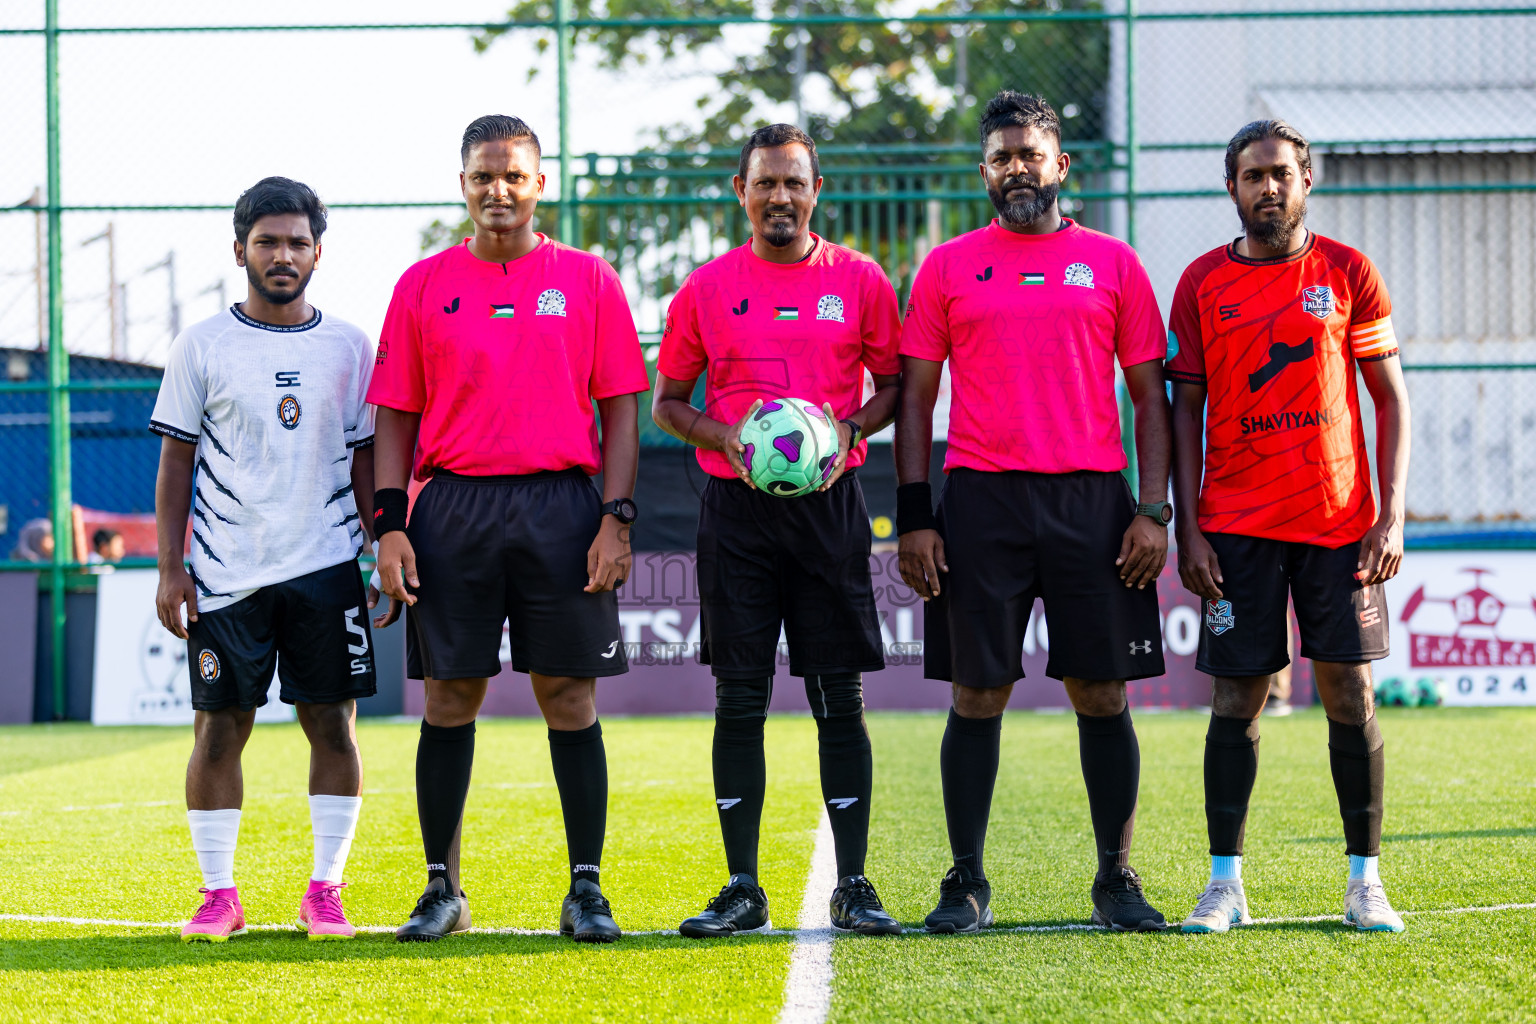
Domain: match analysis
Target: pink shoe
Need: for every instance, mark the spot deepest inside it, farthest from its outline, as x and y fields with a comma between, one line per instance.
x=320, y=913
x=220, y=916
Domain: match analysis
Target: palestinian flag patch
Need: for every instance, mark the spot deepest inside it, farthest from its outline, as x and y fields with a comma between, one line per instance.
x=501, y=312
x=786, y=312
x=1025, y=278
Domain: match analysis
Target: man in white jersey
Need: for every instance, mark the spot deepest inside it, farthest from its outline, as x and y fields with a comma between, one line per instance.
x=267, y=445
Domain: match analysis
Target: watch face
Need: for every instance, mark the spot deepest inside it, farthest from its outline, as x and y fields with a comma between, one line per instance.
x=627, y=510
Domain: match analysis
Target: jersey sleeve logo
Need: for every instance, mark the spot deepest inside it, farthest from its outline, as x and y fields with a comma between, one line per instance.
x=1318, y=300
x=829, y=307
x=1079, y=274
x=288, y=412
x=551, y=303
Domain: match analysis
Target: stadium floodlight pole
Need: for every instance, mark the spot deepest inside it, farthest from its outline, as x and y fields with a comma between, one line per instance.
x=58, y=368
x=563, y=114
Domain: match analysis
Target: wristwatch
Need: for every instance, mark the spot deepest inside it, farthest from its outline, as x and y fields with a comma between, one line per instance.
x=622, y=509
x=1161, y=511
x=857, y=432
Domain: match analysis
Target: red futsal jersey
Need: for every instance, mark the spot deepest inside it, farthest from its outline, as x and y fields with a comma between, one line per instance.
x=1275, y=344
x=1032, y=326
x=778, y=330
x=503, y=360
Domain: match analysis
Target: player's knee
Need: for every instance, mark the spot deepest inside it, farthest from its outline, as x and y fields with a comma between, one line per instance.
x=981, y=701
x=330, y=727
x=743, y=698
x=218, y=736
x=836, y=695
x=1239, y=697
x=1095, y=698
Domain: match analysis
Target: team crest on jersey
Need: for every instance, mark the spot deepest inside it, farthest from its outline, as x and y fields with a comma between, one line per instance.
x=288, y=412
x=829, y=307
x=1079, y=274
x=208, y=666
x=551, y=303
x=1318, y=300
x=1219, y=617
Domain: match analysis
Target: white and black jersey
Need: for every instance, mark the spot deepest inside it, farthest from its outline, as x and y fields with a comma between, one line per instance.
x=275, y=412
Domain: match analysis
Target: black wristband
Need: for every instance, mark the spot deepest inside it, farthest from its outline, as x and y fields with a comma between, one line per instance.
x=914, y=508
x=389, y=507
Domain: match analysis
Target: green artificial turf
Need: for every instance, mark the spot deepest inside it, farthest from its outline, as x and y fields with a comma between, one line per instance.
x=94, y=826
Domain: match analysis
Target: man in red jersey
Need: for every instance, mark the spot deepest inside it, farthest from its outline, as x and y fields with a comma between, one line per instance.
x=491, y=356
x=1033, y=312
x=1267, y=334
x=786, y=315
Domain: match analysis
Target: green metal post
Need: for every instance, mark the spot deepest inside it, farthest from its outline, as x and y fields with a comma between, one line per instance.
x=58, y=368
x=563, y=113
x=1130, y=122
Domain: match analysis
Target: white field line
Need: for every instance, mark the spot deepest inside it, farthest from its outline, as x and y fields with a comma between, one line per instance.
x=803, y=932
x=808, y=987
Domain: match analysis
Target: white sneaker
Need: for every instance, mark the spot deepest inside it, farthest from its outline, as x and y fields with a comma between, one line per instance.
x=1366, y=907
x=1221, y=906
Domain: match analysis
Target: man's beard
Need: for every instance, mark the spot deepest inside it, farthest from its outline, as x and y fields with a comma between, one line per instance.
x=1279, y=232
x=1024, y=211
x=277, y=298
x=780, y=234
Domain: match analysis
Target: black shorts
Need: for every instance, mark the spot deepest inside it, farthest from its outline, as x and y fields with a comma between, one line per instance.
x=509, y=549
x=313, y=630
x=802, y=563
x=1011, y=537
x=1244, y=633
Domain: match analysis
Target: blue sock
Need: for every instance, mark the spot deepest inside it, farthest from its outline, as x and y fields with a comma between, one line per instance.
x=1363, y=869
x=1227, y=869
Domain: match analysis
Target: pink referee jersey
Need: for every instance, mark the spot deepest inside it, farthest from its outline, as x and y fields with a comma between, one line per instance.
x=774, y=330
x=503, y=360
x=1032, y=326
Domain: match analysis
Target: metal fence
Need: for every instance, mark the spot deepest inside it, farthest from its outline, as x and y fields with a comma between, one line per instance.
x=126, y=144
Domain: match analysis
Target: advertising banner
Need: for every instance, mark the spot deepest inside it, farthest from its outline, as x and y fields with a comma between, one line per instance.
x=659, y=626
x=1466, y=619
x=141, y=668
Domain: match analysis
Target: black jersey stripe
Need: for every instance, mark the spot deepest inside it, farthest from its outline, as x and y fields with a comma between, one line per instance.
x=339, y=495
x=198, y=493
x=202, y=464
x=206, y=549
x=174, y=433
x=208, y=434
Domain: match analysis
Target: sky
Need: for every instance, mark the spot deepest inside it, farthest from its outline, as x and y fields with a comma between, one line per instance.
x=175, y=118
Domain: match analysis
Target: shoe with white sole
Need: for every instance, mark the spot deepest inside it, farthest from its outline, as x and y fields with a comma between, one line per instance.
x=1221, y=906
x=1366, y=907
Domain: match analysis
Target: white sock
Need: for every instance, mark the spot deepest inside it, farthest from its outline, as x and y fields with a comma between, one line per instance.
x=1363, y=869
x=1226, y=869
x=334, y=820
x=214, y=834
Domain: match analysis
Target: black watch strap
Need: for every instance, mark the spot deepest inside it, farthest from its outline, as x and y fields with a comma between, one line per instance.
x=858, y=432
x=622, y=509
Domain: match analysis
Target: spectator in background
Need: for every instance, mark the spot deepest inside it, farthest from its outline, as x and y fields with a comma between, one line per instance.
x=35, y=544
x=106, y=546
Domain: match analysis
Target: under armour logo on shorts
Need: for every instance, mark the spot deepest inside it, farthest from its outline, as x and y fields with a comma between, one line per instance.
x=1141, y=646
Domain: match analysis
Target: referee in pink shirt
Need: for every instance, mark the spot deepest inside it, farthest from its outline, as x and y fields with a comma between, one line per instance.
x=1033, y=312
x=491, y=356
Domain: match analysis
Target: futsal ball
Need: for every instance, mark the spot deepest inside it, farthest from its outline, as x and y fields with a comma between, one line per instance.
x=1395, y=692
x=789, y=447
x=1430, y=692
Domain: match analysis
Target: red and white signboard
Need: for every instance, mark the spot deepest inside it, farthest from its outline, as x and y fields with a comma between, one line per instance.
x=1468, y=619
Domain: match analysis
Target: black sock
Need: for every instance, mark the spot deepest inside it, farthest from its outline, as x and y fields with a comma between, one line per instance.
x=1112, y=769
x=847, y=773
x=1231, y=765
x=1359, y=764
x=968, y=767
x=581, y=775
x=740, y=778
x=444, y=757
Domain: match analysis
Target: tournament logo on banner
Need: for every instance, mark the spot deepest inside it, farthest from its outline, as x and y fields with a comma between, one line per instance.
x=1468, y=620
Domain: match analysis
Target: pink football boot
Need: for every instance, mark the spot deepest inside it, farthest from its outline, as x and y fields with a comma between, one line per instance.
x=320, y=913
x=220, y=916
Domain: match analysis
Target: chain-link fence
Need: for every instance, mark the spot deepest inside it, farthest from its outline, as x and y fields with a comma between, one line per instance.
x=126, y=145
